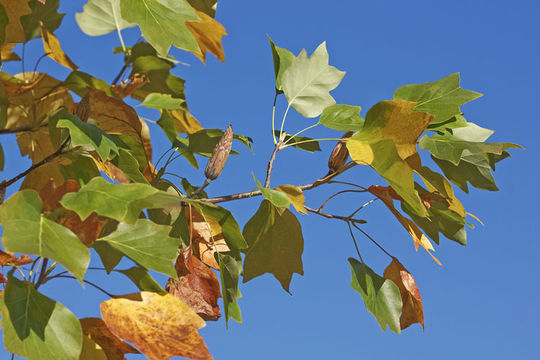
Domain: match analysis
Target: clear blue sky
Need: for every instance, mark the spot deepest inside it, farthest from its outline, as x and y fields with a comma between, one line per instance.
x=483, y=303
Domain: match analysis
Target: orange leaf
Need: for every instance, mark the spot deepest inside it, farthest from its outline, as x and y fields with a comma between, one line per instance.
x=387, y=195
x=197, y=285
x=126, y=89
x=114, y=348
x=159, y=325
x=52, y=48
x=3, y=279
x=10, y=259
x=51, y=195
x=413, y=309
x=208, y=34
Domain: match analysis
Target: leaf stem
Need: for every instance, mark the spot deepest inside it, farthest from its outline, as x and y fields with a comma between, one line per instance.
x=307, y=141
x=283, y=121
x=273, y=117
x=338, y=193
x=373, y=240
x=354, y=241
x=332, y=216
x=301, y=131
x=86, y=282
x=42, y=272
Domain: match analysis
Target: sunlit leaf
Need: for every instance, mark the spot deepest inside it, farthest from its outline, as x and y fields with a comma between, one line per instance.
x=441, y=98
x=413, y=309
x=146, y=243
x=230, y=266
x=52, y=48
x=79, y=82
x=275, y=244
x=208, y=33
x=282, y=60
x=295, y=195
x=162, y=22
x=37, y=327
x=342, y=117
x=146, y=312
x=380, y=295
x=278, y=198
x=98, y=333
x=100, y=17
x=162, y=101
x=308, y=80
x=27, y=230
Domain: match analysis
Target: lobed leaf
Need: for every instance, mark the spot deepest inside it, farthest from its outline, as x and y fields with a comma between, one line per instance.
x=277, y=198
x=100, y=17
x=342, y=118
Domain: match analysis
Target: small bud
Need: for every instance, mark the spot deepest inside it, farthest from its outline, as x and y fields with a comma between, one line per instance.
x=219, y=155
x=339, y=155
x=83, y=108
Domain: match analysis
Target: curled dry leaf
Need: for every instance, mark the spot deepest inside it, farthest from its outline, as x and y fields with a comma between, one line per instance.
x=387, y=195
x=96, y=330
x=220, y=154
x=413, y=309
x=52, y=48
x=197, y=285
x=206, y=237
x=136, y=317
x=136, y=81
x=10, y=259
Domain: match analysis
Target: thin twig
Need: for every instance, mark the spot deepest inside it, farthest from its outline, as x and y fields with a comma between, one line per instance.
x=201, y=188
x=271, y=163
x=373, y=240
x=336, y=194
x=363, y=206
x=42, y=272
x=89, y=283
x=333, y=216
x=354, y=241
x=22, y=129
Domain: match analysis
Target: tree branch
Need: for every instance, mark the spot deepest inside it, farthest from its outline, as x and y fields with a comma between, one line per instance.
x=332, y=216
x=22, y=129
x=271, y=163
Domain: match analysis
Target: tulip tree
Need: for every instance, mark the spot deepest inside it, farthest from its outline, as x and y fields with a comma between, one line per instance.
x=94, y=188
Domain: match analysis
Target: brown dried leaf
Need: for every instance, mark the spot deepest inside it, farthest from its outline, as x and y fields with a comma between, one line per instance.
x=197, y=285
x=14, y=29
x=51, y=194
x=387, y=195
x=208, y=34
x=126, y=89
x=52, y=48
x=97, y=331
x=413, y=309
x=3, y=279
x=159, y=325
x=10, y=259
x=207, y=238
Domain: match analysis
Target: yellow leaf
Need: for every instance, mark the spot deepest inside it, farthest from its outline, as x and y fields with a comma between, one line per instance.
x=159, y=325
x=52, y=48
x=208, y=34
x=386, y=195
x=436, y=182
x=295, y=194
x=14, y=10
x=98, y=339
x=184, y=122
x=7, y=53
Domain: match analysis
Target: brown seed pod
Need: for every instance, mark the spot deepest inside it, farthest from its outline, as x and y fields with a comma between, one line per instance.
x=219, y=155
x=339, y=155
x=83, y=108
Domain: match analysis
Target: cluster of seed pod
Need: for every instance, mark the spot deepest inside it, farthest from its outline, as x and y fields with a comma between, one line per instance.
x=83, y=108
x=339, y=155
x=219, y=155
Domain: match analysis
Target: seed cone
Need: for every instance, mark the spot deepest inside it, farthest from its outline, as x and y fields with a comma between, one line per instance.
x=219, y=155
x=339, y=155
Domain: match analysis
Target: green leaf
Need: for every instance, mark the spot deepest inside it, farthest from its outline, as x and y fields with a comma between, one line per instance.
x=142, y=279
x=162, y=101
x=119, y=202
x=181, y=146
x=110, y=257
x=188, y=188
x=204, y=141
x=79, y=82
x=36, y=327
x=342, y=118
x=275, y=244
x=309, y=145
x=276, y=197
x=230, y=228
x=451, y=148
x=100, y=17
x=230, y=265
x=474, y=169
x=86, y=134
x=441, y=98
x=146, y=243
x=308, y=81
x=26, y=230
x=162, y=22
x=46, y=13
x=81, y=169
x=129, y=166
x=380, y=295
x=283, y=58
x=452, y=123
